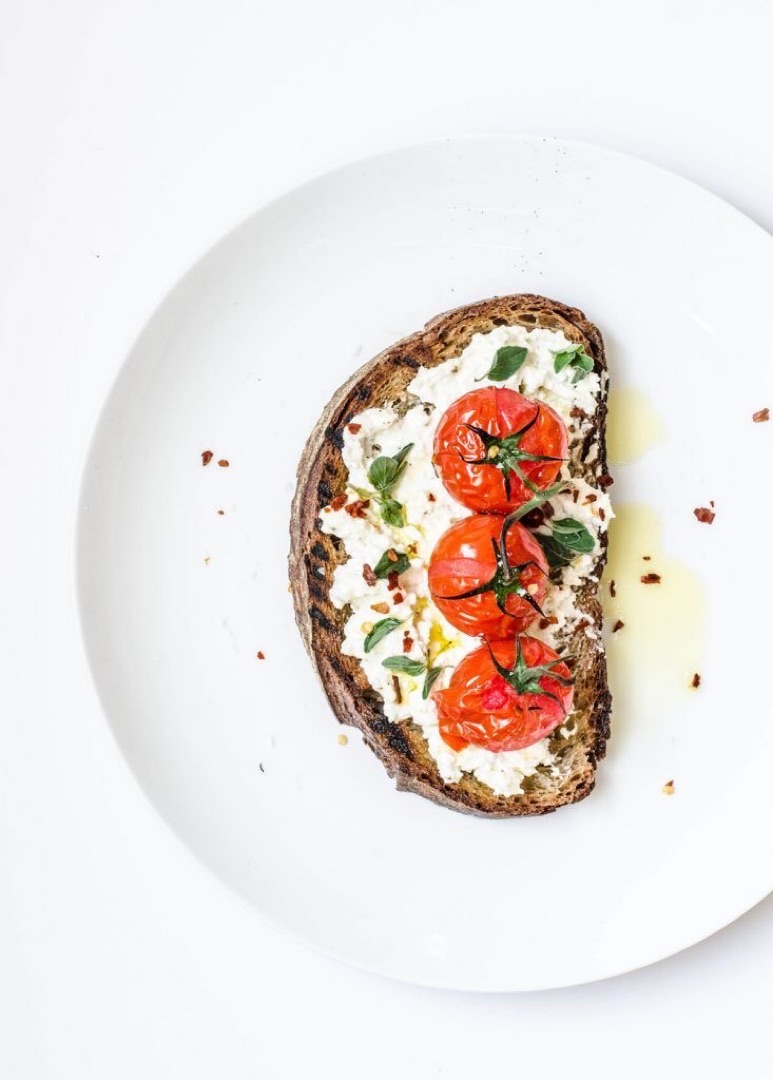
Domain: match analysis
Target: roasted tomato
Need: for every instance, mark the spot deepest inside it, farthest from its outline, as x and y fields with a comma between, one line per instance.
x=494, y=449
x=505, y=696
x=481, y=588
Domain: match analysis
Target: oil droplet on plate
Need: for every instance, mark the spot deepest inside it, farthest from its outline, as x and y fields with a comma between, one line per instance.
x=657, y=651
x=633, y=426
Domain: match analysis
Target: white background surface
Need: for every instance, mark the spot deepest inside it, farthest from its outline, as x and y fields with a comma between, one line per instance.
x=134, y=135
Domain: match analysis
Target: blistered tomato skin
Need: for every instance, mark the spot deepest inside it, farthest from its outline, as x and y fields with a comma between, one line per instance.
x=464, y=560
x=482, y=708
x=477, y=475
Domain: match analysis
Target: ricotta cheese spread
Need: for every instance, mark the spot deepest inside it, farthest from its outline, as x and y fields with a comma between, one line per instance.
x=429, y=511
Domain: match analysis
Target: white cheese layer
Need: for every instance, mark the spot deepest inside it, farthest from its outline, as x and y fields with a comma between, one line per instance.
x=429, y=511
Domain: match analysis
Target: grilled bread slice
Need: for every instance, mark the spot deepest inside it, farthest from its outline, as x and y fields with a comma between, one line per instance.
x=314, y=556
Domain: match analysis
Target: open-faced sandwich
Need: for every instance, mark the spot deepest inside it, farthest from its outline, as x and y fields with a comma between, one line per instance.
x=448, y=534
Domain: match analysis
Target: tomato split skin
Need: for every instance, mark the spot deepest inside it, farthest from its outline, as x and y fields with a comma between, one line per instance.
x=502, y=413
x=464, y=559
x=481, y=708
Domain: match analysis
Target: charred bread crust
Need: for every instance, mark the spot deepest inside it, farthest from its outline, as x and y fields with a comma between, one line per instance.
x=315, y=555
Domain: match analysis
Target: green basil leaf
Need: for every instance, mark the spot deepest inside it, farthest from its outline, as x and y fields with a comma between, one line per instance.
x=384, y=567
x=569, y=538
x=561, y=359
x=556, y=554
x=506, y=362
x=380, y=631
x=401, y=455
x=566, y=525
x=393, y=513
x=577, y=358
x=403, y=665
x=573, y=534
x=566, y=529
x=383, y=473
x=583, y=366
x=433, y=674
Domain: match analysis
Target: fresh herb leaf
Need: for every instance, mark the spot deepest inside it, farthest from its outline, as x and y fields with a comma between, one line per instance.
x=583, y=366
x=384, y=472
x=393, y=513
x=380, y=631
x=561, y=359
x=401, y=455
x=386, y=566
x=433, y=674
x=569, y=538
x=403, y=665
x=577, y=358
x=556, y=555
x=572, y=534
x=506, y=362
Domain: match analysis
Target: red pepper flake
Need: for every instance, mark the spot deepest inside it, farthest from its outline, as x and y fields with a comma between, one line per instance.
x=398, y=598
x=369, y=575
x=392, y=580
x=431, y=497
x=392, y=555
x=589, y=499
x=761, y=416
x=618, y=626
x=357, y=508
x=261, y=655
x=382, y=608
x=605, y=480
x=548, y=620
x=353, y=428
x=602, y=513
x=407, y=644
x=221, y=512
x=696, y=681
x=704, y=515
x=206, y=457
x=223, y=463
x=650, y=579
x=337, y=502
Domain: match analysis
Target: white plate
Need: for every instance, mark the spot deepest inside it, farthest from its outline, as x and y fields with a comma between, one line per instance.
x=241, y=755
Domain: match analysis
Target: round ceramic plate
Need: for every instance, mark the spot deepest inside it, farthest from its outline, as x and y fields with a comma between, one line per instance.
x=241, y=755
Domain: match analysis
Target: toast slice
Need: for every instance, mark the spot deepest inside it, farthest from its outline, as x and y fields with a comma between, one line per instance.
x=315, y=555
